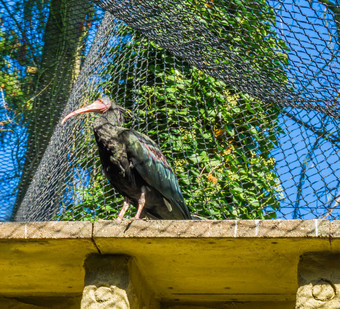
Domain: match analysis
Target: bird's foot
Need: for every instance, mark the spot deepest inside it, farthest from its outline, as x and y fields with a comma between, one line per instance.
x=133, y=219
x=119, y=220
x=137, y=219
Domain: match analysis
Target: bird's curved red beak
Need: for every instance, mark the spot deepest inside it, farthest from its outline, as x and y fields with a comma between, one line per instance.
x=97, y=106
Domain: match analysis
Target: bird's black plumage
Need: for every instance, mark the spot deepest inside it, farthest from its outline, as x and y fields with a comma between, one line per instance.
x=134, y=164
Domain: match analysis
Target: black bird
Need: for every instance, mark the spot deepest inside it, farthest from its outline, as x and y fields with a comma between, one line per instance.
x=134, y=165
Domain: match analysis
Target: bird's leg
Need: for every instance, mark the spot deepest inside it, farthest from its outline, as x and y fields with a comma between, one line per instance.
x=141, y=203
x=124, y=209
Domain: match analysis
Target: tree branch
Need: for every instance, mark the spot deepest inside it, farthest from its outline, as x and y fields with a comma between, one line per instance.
x=336, y=10
x=20, y=29
x=323, y=134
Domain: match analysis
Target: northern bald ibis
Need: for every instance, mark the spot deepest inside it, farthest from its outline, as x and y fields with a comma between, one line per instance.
x=134, y=165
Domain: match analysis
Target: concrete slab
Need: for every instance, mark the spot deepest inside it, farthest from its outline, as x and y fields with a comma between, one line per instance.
x=181, y=261
x=43, y=258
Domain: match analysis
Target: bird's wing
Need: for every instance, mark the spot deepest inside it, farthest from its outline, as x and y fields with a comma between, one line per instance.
x=153, y=167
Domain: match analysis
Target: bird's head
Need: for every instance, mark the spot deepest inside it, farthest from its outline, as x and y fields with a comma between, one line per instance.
x=101, y=105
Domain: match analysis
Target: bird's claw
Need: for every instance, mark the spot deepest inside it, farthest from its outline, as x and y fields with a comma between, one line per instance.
x=132, y=219
x=119, y=220
x=137, y=219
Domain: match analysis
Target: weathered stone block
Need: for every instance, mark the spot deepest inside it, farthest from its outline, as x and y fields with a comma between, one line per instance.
x=107, y=282
x=319, y=281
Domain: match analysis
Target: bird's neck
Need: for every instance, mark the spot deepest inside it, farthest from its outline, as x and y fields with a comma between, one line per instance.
x=112, y=117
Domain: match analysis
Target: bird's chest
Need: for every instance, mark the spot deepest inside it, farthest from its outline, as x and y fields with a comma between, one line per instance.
x=113, y=154
x=117, y=166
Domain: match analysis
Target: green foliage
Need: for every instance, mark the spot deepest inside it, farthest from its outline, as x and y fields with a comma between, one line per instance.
x=11, y=80
x=20, y=51
x=95, y=203
x=244, y=29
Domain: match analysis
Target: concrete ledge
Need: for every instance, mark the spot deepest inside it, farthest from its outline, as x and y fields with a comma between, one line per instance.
x=181, y=229
x=226, y=228
x=209, y=262
x=45, y=230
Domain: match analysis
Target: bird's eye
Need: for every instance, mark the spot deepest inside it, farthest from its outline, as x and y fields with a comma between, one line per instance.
x=104, y=102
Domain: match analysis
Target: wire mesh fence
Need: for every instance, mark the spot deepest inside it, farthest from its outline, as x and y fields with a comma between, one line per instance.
x=241, y=97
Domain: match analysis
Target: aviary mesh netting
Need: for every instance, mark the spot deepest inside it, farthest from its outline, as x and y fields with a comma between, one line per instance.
x=242, y=96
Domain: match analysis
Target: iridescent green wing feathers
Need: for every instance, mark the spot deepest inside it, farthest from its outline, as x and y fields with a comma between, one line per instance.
x=153, y=167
